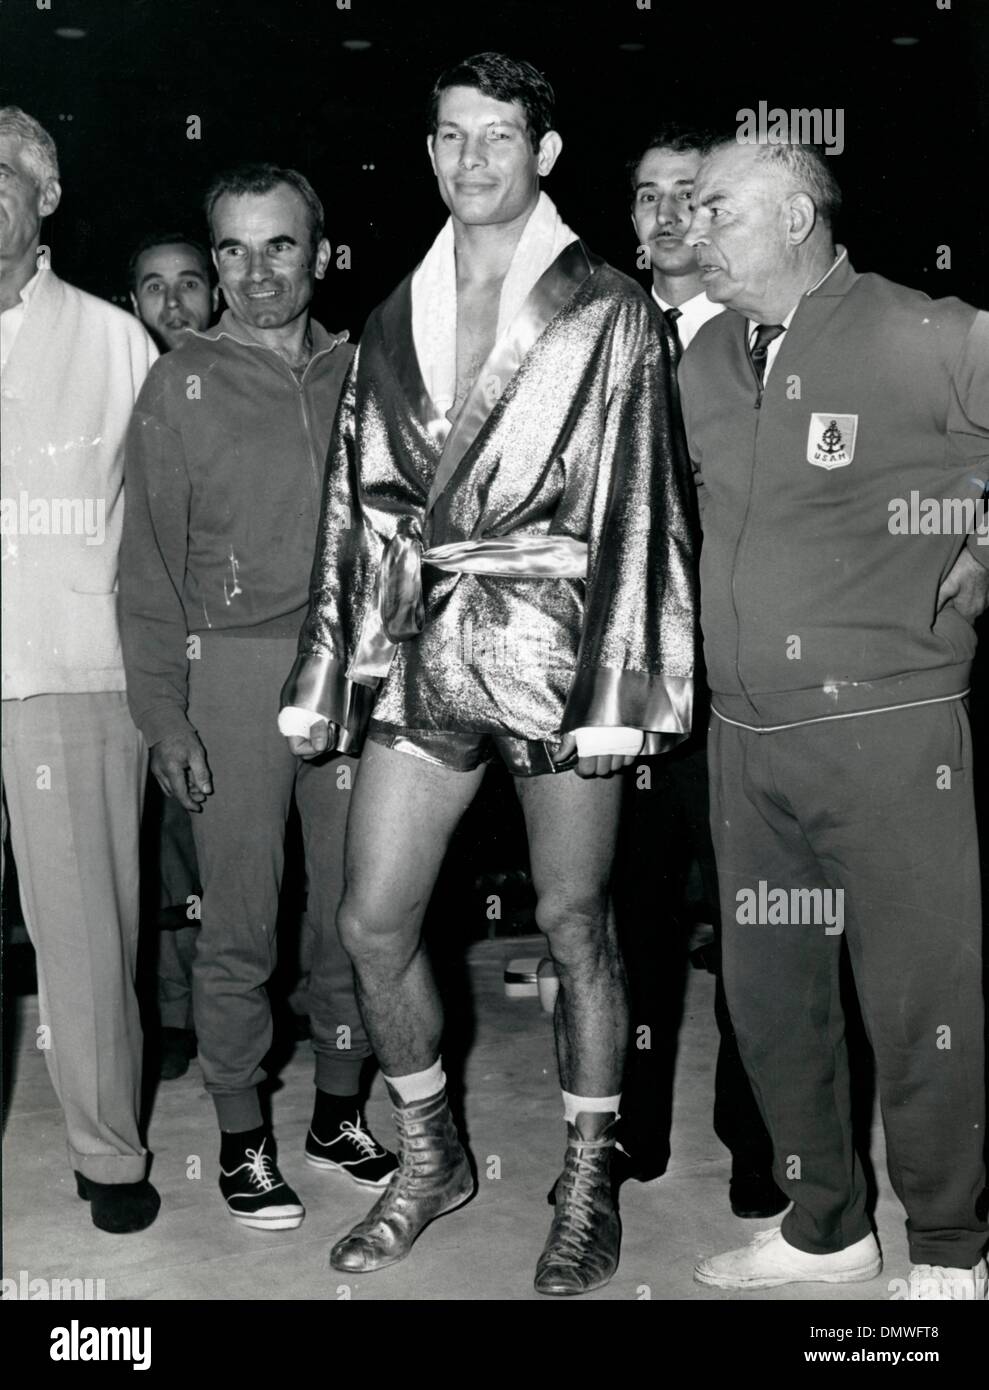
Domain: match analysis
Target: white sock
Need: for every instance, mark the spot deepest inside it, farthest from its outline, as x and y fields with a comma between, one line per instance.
x=592, y=1105
x=418, y=1085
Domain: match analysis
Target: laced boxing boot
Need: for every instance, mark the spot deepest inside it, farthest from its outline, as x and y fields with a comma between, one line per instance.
x=433, y=1177
x=581, y=1253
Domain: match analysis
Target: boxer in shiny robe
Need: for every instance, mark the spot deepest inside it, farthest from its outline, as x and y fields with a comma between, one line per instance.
x=505, y=568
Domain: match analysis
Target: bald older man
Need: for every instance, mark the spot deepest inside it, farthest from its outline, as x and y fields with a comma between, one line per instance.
x=820, y=416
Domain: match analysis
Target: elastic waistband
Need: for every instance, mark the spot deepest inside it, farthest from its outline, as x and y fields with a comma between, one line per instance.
x=830, y=718
x=830, y=697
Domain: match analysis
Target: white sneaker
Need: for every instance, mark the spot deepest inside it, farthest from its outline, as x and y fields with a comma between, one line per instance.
x=945, y=1282
x=769, y=1260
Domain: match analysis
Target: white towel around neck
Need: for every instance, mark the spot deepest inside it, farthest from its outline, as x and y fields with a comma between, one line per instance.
x=434, y=294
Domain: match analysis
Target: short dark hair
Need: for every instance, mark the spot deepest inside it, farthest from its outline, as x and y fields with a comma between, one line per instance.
x=262, y=178
x=504, y=79
x=673, y=135
x=153, y=239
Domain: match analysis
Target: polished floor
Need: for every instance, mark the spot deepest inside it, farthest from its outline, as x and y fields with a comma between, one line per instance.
x=488, y=1250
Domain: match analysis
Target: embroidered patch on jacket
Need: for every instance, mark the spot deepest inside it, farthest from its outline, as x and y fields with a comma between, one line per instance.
x=831, y=439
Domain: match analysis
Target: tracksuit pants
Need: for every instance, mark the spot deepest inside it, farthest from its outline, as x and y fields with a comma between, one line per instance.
x=879, y=809
x=234, y=691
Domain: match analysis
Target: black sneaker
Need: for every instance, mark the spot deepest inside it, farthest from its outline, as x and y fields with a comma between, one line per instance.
x=256, y=1193
x=352, y=1149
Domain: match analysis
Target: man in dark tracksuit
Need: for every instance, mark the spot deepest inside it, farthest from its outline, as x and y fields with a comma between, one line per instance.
x=838, y=633
x=224, y=469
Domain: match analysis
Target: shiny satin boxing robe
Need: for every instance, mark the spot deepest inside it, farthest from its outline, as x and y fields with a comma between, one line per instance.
x=565, y=461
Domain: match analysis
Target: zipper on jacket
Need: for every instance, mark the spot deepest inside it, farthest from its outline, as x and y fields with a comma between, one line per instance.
x=313, y=463
x=741, y=530
x=300, y=389
x=313, y=460
x=734, y=561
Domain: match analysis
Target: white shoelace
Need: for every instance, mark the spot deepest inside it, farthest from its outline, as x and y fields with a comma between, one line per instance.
x=364, y=1141
x=258, y=1163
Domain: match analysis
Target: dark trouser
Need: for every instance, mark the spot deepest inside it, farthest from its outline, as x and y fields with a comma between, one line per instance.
x=879, y=807
x=178, y=875
x=737, y=1121
x=665, y=834
x=176, y=952
x=178, y=871
x=240, y=838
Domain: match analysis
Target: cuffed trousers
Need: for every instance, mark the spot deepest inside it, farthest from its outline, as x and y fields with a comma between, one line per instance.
x=877, y=808
x=73, y=782
x=234, y=688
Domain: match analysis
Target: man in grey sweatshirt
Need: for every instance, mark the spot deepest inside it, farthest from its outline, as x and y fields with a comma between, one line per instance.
x=224, y=475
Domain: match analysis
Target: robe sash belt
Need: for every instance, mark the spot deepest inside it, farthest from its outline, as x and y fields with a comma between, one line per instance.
x=397, y=613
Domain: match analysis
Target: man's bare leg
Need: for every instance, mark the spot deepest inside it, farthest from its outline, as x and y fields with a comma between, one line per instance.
x=572, y=827
x=572, y=824
x=403, y=813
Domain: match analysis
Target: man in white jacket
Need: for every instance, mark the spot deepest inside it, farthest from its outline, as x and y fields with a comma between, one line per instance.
x=73, y=762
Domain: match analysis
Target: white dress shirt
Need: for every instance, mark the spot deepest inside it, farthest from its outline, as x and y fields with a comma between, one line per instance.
x=694, y=313
x=12, y=318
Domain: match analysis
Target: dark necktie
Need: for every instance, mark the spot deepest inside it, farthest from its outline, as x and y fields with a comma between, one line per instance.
x=759, y=351
x=671, y=316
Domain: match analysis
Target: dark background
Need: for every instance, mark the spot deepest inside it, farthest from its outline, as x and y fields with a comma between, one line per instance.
x=272, y=79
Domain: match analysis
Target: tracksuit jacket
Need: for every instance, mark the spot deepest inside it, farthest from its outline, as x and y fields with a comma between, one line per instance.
x=224, y=465
x=813, y=604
